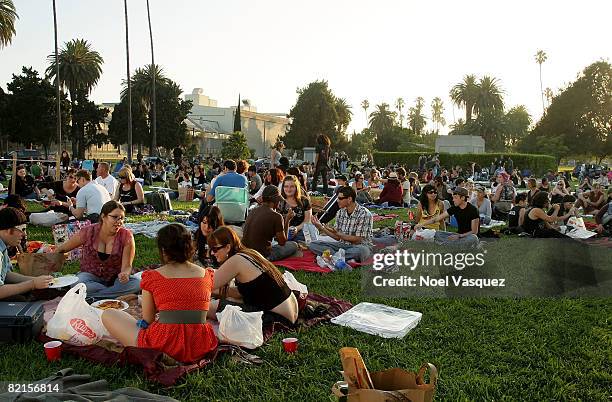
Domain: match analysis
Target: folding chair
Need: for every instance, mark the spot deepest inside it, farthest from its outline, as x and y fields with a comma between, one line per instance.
x=233, y=203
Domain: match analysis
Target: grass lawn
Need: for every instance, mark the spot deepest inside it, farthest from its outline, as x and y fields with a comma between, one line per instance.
x=484, y=348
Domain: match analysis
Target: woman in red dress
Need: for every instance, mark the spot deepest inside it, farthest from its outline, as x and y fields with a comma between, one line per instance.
x=180, y=292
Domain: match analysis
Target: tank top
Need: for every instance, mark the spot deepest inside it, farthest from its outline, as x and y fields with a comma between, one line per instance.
x=127, y=195
x=262, y=292
x=426, y=216
x=531, y=225
x=513, y=216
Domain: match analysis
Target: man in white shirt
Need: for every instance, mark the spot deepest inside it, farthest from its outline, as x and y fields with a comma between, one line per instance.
x=90, y=198
x=105, y=179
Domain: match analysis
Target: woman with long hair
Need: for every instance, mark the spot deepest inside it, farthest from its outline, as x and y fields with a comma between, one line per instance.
x=259, y=284
x=199, y=177
x=299, y=203
x=430, y=206
x=175, y=302
x=208, y=223
x=65, y=160
x=129, y=192
x=61, y=192
x=273, y=177
x=538, y=223
x=361, y=189
x=323, y=149
x=25, y=187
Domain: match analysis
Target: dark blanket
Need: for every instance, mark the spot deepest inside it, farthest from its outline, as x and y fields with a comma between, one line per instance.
x=160, y=367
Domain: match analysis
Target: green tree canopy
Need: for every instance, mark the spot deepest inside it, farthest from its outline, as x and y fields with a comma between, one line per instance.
x=236, y=147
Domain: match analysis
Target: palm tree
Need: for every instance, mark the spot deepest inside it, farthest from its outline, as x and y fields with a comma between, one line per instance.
x=490, y=95
x=129, y=81
x=548, y=93
x=381, y=119
x=365, y=105
x=437, y=113
x=540, y=58
x=415, y=116
x=8, y=15
x=153, y=150
x=79, y=70
x=399, y=105
x=465, y=94
x=343, y=109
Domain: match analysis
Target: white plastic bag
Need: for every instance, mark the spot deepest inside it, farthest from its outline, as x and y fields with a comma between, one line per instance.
x=294, y=284
x=240, y=328
x=378, y=319
x=577, y=223
x=424, y=235
x=47, y=219
x=76, y=322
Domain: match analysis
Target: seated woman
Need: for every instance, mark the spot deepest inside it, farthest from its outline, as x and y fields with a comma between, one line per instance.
x=538, y=223
x=61, y=192
x=129, y=192
x=107, y=254
x=375, y=179
x=208, y=223
x=180, y=292
x=259, y=284
x=362, y=191
x=430, y=207
x=300, y=204
x=392, y=192
x=199, y=177
x=559, y=192
x=503, y=196
x=584, y=186
x=483, y=204
x=592, y=200
x=145, y=174
x=544, y=185
x=273, y=176
x=24, y=185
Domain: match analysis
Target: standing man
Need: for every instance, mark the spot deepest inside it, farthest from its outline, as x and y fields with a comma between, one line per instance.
x=468, y=221
x=14, y=285
x=90, y=198
x=105, y=179
x=353, y=229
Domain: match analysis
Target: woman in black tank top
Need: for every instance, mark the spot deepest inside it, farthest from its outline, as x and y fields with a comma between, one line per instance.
x=259, y=284
x=130, y=192
x=537, y=222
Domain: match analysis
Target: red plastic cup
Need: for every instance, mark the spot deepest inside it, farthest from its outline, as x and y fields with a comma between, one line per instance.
x=290, y=345
x=53, y=350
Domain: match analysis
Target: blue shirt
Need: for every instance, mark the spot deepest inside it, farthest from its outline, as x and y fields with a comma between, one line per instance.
x=229, y=179
x=5, y=262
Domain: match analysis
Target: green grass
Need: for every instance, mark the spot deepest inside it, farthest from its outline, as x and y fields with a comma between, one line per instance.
x=485, y=348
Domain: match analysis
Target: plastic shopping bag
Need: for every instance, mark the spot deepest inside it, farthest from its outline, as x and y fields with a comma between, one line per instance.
x=294, y=284
x=76, y=322
x=424, y=235
x=48, y=218
x=240, y=328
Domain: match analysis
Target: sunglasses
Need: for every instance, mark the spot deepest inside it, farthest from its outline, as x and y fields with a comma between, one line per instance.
x=216, y=248
x=122, y=177
x=342, y=198
x=432, y=192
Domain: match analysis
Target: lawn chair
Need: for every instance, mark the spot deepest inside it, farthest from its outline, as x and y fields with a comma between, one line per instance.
x=233, y=203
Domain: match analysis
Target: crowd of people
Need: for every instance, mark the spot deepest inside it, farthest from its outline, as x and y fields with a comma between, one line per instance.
x=200, y=275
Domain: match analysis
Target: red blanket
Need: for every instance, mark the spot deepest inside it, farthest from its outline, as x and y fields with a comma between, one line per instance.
x=159, y=367
x=308, y=262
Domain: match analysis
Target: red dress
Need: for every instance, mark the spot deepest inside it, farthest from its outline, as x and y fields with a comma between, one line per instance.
x=183, y=342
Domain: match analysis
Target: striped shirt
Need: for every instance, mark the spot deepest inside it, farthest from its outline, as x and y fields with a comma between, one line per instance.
x=359, y=223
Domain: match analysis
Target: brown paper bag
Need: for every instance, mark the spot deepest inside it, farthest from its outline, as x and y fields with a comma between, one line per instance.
x=35, y=264
x=186, y=193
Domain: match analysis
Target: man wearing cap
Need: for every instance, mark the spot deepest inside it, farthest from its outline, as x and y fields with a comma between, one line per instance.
x=352, y=231
x=264, y=223
x=468, y=221
x=12, y=230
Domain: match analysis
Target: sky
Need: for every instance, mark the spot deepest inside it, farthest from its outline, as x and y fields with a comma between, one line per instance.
x=376, y=50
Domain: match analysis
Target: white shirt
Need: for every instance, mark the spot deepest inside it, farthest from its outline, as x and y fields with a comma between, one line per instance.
x=92, y=197
x=110, y=184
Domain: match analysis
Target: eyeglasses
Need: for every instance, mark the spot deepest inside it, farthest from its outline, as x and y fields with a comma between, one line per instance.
x=122, y=177
x=216, y=248
x=432, y=192
x=117, y=218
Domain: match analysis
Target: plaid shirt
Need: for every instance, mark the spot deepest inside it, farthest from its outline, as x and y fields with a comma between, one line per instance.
x=359, y=223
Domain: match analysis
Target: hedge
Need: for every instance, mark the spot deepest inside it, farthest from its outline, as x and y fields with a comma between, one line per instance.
x=538, y=164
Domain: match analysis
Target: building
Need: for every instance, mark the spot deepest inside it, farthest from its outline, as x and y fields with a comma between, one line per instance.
x=460, y=144
x=215, y=123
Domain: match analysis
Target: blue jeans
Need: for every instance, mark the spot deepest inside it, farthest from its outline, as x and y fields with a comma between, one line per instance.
x=286, y=250
x=98, y=288
x=357, y=252
x=442, y=238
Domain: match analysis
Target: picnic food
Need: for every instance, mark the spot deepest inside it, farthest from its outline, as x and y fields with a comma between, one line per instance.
x=110, y=304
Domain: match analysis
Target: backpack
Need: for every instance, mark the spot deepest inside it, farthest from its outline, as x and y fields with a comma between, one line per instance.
x=159, y=200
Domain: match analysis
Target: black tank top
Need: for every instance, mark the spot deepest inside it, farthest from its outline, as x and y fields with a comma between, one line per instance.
x=262, y=292
x=128, y=195
x=513, y=216
x=531, y=225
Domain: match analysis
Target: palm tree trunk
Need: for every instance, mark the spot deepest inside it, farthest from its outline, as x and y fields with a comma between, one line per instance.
x=153, y=150
x=468, y=112
x=59, y=97
x=129, y=84
x=73, y=125
x=542, y=91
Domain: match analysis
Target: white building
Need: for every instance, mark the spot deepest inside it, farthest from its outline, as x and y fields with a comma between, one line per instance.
x=260, y=129
x=460, y=144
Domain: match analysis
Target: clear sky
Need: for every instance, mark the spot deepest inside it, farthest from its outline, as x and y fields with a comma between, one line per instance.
x=376, y=50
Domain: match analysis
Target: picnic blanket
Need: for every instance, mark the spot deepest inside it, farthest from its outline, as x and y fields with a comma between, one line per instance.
x=599, y=241
x=162, y=368
x=308, y=262
x=378, y=218
x=381, y=206
x=493, y=224
x=150, y=228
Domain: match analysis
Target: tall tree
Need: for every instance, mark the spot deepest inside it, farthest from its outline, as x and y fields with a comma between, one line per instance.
x=314, y=113
x=548, y=93
x=416, y=118
x=344, y=112
x=79, y=69
x=8, y=15
x=236, y=147
x=128, y=76
x=540, y=58
x=237, y=118
x=153, y=148
x=399, y=105
x=490, y=95
x=518, y=121
x=465, y=94
x=437, y=113
x=365, y=104
x=381, y=119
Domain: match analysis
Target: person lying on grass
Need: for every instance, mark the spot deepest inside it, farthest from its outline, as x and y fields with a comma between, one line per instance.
x=259, y=284
x=107, y=254
x=538, y=223
x=15, y=286
x=180, y=292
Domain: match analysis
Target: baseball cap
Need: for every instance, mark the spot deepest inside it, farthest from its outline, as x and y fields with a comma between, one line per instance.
x=271, y=193
x=11, y=218
x=393, y=176
x=461, y=191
